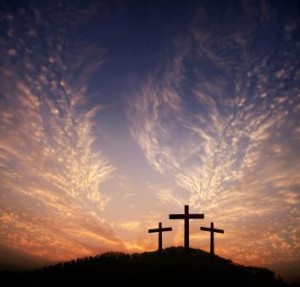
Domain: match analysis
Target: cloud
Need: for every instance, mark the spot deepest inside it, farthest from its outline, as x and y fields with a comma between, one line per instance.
x=166, y=195
x=228, y=134
x=51, y=173
x=131, y=225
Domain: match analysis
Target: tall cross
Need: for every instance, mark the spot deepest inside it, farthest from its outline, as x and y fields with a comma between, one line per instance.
x=186, y=216
x=212, y=230
x=160, y=230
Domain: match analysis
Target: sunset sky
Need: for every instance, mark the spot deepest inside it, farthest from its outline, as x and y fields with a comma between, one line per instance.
x=115, y=114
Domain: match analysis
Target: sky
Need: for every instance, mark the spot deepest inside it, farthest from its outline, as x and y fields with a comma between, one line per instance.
x=115, y=114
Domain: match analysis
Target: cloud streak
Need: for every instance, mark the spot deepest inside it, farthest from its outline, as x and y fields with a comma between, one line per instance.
x=51, y=174
x=225, y=130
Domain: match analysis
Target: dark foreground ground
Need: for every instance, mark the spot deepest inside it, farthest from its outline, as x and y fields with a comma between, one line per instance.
x=173, y=267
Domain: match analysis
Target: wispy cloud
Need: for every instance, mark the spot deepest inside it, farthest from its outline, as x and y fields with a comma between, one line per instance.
x=131, y=225
x=51, y=174
x=228, y=136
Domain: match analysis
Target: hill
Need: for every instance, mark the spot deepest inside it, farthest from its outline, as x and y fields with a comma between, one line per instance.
x=173, y=267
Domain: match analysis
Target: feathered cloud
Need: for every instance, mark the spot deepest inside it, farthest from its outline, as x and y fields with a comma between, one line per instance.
x=51, y=173
x=224, y=129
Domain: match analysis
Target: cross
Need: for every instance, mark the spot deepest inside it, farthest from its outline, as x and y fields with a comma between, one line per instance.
x=160, y=230
x=186, y=216
x=212, y=230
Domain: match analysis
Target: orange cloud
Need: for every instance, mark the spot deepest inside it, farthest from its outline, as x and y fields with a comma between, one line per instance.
x=51, y=174
x=227, y=151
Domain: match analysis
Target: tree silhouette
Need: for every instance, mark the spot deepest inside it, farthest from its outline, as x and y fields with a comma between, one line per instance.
x=176, y=268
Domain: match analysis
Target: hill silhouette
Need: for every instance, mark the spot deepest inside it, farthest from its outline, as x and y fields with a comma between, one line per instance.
x=173, y=267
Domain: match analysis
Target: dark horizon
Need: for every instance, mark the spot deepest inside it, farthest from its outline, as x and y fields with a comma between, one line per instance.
x=289, y=275
x=139, y=266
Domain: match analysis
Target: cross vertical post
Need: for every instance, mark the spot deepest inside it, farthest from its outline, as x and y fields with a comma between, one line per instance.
x=186, y=216
x=212, y=241
x=159, y=237
x=186, y=228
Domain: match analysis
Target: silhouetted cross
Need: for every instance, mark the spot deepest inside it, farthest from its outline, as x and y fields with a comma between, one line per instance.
x=186, y=216
x=160, y=230
x=212, y=230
